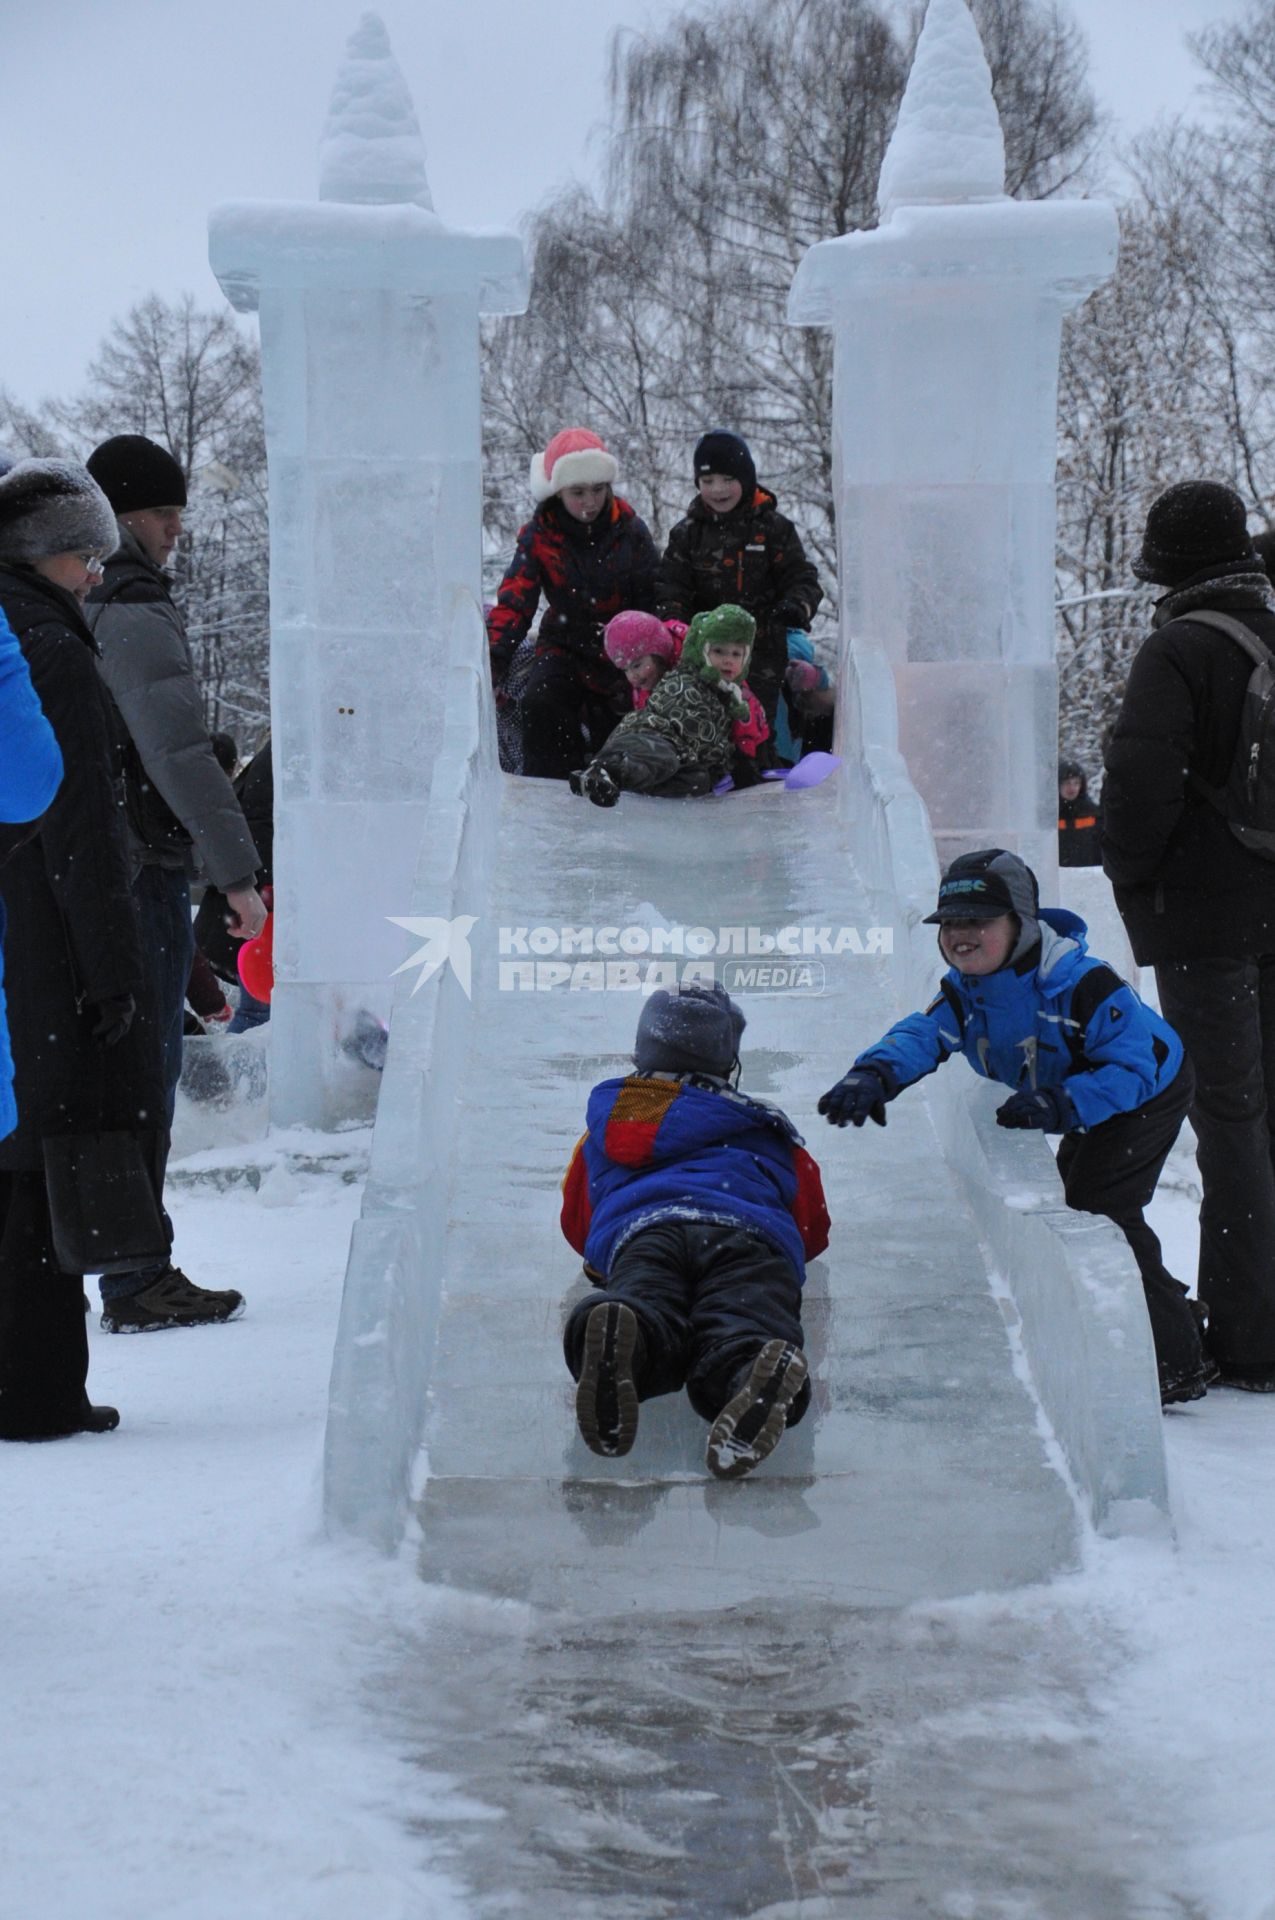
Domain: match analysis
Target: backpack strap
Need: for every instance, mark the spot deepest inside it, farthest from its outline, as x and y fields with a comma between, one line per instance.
x=1258, y=652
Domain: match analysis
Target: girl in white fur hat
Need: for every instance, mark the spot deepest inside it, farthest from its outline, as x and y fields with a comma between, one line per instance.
x=590, y=556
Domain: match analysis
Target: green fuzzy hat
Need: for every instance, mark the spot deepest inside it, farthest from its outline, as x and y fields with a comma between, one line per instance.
x=726, y=626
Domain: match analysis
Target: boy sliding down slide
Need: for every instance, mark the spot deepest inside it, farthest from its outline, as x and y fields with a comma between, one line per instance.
x=696, y=1208
x=1028, y=1005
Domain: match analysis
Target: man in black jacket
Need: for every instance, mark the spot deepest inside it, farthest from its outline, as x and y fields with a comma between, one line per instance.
x=183, y=814
x=1197, y=904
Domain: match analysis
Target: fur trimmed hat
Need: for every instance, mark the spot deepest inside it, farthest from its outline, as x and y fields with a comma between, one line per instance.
x=631, y=635
x=53, y=506
x=134, y=473
x=690, y=1029
x=573, y=458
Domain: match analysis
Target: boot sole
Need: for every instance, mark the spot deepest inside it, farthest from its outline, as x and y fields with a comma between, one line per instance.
x=751, y=1425
x=606, y=1395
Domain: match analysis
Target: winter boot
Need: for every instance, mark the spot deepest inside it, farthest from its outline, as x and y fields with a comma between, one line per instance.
x=597, y=785
x=606, y=1395
x=1174, y=1388
x=89, y=1419
x=170, y=1301
x=749, y=1426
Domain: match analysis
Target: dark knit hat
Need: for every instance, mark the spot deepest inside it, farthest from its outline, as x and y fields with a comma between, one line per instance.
x=691, y=1029
x=134, y=474
x=1071, y=770
x=1193, y=526
x=982, y=886
x=53, y=506
x=722, y=452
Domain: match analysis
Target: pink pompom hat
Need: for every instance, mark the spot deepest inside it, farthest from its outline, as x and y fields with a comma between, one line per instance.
x=573, y=458
x=630, y=635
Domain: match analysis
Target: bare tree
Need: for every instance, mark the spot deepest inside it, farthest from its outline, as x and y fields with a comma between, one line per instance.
x=191, y=381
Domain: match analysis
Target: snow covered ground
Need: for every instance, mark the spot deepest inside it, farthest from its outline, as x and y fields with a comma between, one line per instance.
x=206, y=1705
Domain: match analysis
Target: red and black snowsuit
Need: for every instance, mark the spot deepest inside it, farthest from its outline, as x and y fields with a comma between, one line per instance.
x=587, y=572
x=751, y=557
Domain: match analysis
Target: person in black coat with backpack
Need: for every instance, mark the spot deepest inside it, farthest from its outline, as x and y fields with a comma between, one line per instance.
x=84, y=1063
x=1199, y=905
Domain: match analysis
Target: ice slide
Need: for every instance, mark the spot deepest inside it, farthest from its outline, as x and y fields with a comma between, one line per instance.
x=984, y=1382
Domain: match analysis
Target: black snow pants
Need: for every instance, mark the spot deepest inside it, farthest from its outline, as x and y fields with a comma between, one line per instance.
x=1224, y=1011
x=44, y=1347
x=707, y=1299
x=1113, y=1169
x=565, y=719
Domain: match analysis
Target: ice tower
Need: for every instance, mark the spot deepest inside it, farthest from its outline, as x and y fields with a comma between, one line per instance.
x=947, y=324
x=369, y=312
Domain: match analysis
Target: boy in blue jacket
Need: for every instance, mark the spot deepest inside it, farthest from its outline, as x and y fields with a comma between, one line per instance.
x=695, y=1208
x=1028, y=1005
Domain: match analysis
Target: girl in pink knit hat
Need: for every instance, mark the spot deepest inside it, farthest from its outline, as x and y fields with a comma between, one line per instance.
x=590, y=556
x=643, y=648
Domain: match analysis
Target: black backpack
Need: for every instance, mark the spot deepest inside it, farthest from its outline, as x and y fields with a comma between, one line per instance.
x=1247, y=801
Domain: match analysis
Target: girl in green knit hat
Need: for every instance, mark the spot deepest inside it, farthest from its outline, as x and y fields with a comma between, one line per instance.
x=700, y=723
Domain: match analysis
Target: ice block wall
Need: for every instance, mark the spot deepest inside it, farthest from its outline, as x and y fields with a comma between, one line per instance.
x=947, y=325
x=369, y=311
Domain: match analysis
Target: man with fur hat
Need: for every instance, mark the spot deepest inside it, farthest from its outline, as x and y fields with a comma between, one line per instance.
x=182, y=811
x=695, y=1208
x=590, y=556
x=1198, y=904
x=1028, y=1005
x=734, y=545
x=86, y=1058
x=700, y=721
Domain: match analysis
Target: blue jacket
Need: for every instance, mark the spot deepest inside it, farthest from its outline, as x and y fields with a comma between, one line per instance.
x=1070, y=1019
x=670, y=1149
x=30, y=774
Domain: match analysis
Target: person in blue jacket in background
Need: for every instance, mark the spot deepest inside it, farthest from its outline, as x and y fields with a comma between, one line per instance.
x=1029, y=1006
x=30, y=774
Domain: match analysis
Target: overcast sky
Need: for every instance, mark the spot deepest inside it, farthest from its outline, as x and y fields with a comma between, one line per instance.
x=124, y=121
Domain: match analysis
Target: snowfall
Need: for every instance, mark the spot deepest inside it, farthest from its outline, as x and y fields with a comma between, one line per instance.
x=206, y=1702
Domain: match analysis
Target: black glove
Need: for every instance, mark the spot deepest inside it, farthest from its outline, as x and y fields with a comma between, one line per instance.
x=859, y=1095
x=114, y=1018
x=744, y=770
x=1045, y=1107
x=792, y=613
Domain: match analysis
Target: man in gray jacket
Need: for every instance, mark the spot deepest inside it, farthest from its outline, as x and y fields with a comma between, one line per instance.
x=182, y=812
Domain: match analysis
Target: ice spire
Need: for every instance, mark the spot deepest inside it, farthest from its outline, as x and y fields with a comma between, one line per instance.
x=948, y=144
x=370, y=151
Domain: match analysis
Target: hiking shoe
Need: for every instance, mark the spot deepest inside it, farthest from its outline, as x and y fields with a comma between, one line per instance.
x=606, y=1395
x=1187, y=1386
x=751, y=1423
x=170, y=1301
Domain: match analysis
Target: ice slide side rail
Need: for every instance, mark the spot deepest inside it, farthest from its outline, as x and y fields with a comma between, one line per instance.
x=1066, y=1283
x=389, y=1307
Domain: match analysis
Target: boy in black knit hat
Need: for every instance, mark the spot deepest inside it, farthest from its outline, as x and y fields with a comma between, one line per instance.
x=695, y=1208
x=735, y=546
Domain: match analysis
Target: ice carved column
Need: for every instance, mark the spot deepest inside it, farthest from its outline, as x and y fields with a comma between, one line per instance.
x=369, y=312
x=947, y=329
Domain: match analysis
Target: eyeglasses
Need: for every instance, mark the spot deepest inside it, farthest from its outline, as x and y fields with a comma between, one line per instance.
x=92, y=563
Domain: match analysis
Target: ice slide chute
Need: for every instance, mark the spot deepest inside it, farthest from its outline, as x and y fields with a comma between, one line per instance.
x=984, y=1373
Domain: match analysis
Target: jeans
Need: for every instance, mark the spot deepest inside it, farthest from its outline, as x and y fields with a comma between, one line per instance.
x=250, y=1013
x=1224, y=1010
x=162, y=897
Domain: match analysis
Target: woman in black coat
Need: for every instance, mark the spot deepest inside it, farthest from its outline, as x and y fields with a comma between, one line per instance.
x=82, y=1064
